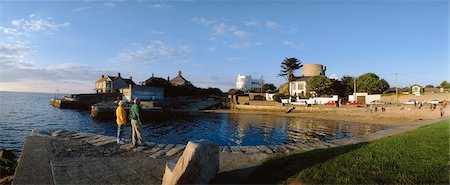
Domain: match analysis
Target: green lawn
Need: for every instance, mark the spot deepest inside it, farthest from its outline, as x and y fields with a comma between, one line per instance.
x=416, y=157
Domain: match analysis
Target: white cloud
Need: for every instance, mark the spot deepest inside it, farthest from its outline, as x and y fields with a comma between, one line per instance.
x=160, y=6
x=223, y=82
x=154, y=52
x=333, y=76
x=82, y=8
x=259, y=43
x=111, y=5
x=33, y=23
x=240, y=45
x=272, y=25
x=203, y=21
x=212, y=49
x=293, y=45
x=19, y=74
x=252, y=23
x=221, y=29
x=234, y=59
x=157, y=32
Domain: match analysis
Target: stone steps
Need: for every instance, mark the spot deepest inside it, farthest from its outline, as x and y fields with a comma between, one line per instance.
x=157, y=150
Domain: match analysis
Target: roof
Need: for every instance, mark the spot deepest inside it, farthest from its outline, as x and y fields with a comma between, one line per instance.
x=179, y=79
x=103, y=79
x=112, y=78
x=128, y=81
x=302, y=78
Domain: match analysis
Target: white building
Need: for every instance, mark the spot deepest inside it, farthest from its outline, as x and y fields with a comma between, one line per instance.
x=246, y=83
x=297, y=87
x=364, y=98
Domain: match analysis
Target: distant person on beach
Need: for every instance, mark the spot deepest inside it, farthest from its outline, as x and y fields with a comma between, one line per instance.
x=444, y=103
x=442, y=111
x=136, y=123
x=121, y=121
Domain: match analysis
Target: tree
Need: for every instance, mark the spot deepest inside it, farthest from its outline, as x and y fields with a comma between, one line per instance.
x=371, y=83
x=347, y=85
x=445, y=85
x=235, y=91
x=321, y=85
x=278, y=96
x=429, y=86
x=268, y=87
x=288, y=66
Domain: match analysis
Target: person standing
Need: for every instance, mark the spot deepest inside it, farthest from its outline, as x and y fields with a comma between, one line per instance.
x=136, y=123
x=121, y=121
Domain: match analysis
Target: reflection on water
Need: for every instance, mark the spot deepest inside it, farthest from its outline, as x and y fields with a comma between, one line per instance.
x=21, y=112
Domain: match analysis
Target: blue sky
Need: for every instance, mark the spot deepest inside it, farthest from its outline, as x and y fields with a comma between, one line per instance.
x=46, y=46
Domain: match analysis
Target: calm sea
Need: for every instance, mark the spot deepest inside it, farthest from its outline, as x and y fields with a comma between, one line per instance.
x=21, y=112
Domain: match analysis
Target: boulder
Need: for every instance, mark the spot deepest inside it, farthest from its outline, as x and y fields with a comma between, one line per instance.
x=198, y=164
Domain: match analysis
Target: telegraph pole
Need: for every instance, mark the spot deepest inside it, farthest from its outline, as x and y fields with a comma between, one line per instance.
x=396, y=89
x=354, y=89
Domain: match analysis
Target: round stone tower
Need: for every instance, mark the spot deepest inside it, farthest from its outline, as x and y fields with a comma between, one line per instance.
x=313, y=70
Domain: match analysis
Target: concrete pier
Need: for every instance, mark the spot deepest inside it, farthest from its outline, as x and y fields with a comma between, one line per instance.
x=65, y=157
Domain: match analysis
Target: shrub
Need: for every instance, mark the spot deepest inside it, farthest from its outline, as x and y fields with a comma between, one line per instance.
x=278, y=96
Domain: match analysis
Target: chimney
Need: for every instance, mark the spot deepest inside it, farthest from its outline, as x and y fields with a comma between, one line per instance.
x=103, y=76
x=179, y=73
x=153, y=75
x=131, y=78
x=168, y=79
x=118, y=74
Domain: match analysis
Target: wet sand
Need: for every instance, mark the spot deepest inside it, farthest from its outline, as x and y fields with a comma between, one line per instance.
x=392, y=116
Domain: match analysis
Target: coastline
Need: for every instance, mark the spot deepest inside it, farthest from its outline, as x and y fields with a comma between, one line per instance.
x=392, y=117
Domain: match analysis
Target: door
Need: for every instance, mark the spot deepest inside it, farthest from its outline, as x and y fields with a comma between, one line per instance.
x=361, y=99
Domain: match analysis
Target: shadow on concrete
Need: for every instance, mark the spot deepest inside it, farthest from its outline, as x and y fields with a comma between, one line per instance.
x=279, y=168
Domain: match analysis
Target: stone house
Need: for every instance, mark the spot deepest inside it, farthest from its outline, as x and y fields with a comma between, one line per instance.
x=180, y=80
x=112, y=84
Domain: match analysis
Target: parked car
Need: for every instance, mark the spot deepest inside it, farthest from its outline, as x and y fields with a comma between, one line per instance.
x=379, y=102
x=353, y=103
x=411, y=102
x=330, y=103
x=434, y=101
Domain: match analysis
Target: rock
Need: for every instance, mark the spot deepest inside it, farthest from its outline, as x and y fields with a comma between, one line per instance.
x=7, y=179
x=198, y=164
x=37, y=132
x=6, y=154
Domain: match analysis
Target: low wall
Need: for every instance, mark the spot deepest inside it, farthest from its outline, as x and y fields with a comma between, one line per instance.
x=299, y=109
x=424, y=97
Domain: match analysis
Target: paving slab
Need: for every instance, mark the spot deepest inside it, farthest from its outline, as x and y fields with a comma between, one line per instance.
x=226, y=149
x=155, y=148
x=293, y=147
x=100, y=139
x=265, y=149
x=105, y=142
x=177, y=149
x=81, y=135
x=249, y=149
x=235, y=149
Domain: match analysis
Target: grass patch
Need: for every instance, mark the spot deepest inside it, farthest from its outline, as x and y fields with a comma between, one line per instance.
x=417, y=157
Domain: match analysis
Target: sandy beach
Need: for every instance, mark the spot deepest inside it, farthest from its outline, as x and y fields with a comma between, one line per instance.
x=394, y=116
